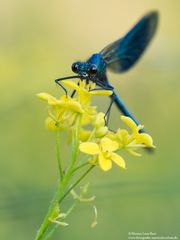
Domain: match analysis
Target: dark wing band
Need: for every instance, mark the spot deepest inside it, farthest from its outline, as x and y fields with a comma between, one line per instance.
x=124, y=53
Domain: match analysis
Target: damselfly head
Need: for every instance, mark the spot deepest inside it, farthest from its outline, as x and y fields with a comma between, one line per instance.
x=84, y=69
x=92, y=69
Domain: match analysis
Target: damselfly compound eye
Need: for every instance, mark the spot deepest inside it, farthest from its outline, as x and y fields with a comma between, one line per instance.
x=93, y=69
x=75, y=67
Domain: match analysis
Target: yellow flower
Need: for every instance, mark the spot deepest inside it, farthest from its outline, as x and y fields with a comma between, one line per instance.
x=64, y=102
x=62, y=113
x=84, y=94
x=141, y=138
x=104, y=153
x=135, y=140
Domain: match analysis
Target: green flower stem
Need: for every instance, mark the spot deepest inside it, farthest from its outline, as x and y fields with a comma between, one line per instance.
x=80, y=166
x=76, y=183
x=73, y=205
x=58, y=154
x=51, y=209
x=58, y=199
x=75, y=144
x=62, y=184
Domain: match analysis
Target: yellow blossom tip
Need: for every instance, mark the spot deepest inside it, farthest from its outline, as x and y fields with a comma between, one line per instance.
x=101, y=93
x=130, y=123
x=70, y=84
x=45, y=96
x=145, y=139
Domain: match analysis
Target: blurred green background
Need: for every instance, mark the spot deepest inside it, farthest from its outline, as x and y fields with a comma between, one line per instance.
x=38, y=42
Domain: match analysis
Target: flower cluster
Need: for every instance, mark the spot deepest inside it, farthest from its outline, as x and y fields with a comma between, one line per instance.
x=96, y=140
x=63, y=112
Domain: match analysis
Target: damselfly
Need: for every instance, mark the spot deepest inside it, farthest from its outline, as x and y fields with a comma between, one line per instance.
x=118, y=57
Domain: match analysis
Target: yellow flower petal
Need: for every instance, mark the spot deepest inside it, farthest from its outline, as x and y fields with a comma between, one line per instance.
x=130, y=123
x=70, y=84
x=75, y=106
x=122, y=134
x=66, y=98
x=145, y=138
x=45, y=96
x=86, y=119
x=53, y=101
x=108, y=145
x=51, y=124
x=123, y=137
x=71, y=105
x=84, y=135
x=134, y=153
x=99, y=120
x=91, y=110
x=101, y=93
x=104, y=163
x=111, y=135
x=89, y=148
x=101, y=132
x=118, y=160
